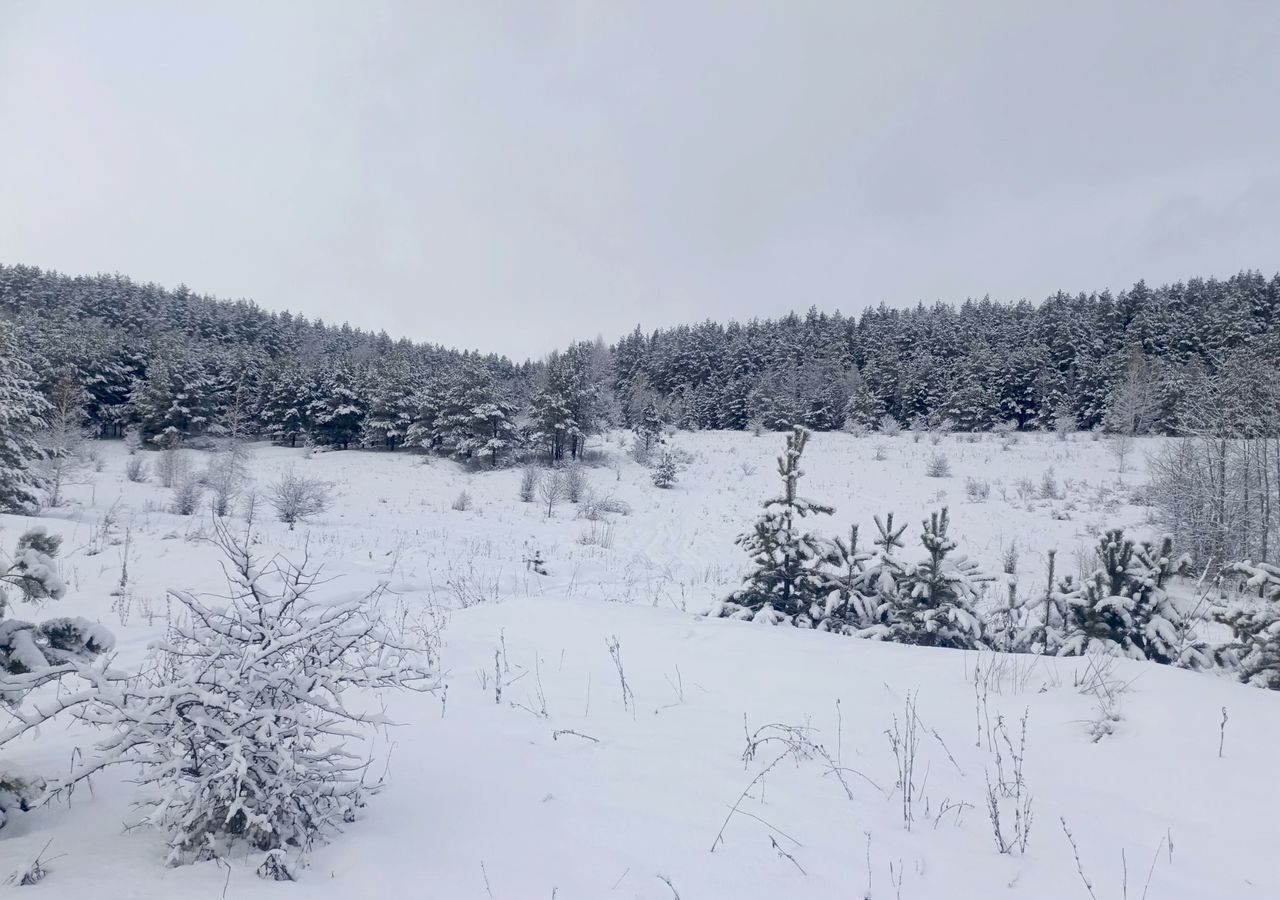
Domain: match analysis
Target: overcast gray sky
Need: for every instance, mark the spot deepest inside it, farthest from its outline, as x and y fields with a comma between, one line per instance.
x=511, y=176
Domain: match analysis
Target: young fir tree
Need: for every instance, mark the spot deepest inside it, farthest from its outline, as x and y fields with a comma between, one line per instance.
x=666, y=471
x=1255, y=625
x=851, y=597
x=23, y=416
x=1123, y=609
x=933, y=604
x=788, y=583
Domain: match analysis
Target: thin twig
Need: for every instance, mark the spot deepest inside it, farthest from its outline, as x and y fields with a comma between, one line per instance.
x=555, y=735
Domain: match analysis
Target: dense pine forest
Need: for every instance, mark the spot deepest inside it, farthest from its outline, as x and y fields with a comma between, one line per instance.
x=174, y=366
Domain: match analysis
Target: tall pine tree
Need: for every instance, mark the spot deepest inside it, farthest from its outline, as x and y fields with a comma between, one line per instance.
x=23, y=415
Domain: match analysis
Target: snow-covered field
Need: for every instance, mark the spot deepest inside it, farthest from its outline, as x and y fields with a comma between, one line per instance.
x=485, y=800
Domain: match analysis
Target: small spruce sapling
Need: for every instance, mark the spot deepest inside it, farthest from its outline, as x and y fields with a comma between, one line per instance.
x=933, y=605
x=666, y=471
x=787, y=584
x=851, y=603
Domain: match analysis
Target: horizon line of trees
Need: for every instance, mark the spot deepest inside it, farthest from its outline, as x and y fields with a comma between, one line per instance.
x=173, y=365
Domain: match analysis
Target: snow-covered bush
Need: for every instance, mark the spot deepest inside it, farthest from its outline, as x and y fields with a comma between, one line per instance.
x=1255, y=624
x=1048, y=485
x=243, y=725
x=19, y=792
x=186, y=496
x=1123, y=609
x=889, y=426
x=1006, y=433
x=788, y=583
x=296, y=497
x=136, y=469
x=227, y=476
x=1064, y=423
x=940, y=428
x=462, y=502
x=938, y=466
x=575, y=482
x=529, y=478
x=977, y=490
x=596, y=506
x=173, y=466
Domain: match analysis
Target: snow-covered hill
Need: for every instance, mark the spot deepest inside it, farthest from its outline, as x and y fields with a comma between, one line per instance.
x=572, y=787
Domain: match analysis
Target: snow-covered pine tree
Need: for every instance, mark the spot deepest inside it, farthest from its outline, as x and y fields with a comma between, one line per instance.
x=428, y=404
x=32, y=570
x=244, y=725
x=666, y=471
x=1123, y=609
x=972, y=403
x=933, y=605
x=788, y=584
x=851, y=598
x=495, y=433
x=285, y=410
x=23, y=416
x=570, y=404
x=648, y=427
x=863, y=408
x=552, y=422
x=338, y=409
x=175, y=400
x=475, y=418
x=390, y=405
x=1255, y=624
x=36, y=654
x=236, y=385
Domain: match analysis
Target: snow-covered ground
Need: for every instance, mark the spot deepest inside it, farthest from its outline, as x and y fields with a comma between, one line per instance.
x=484, y=799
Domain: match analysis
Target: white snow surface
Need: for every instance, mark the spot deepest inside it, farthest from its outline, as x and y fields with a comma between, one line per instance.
x=483, y=801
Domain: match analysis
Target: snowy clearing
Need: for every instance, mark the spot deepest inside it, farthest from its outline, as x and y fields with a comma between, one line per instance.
x=576, y=785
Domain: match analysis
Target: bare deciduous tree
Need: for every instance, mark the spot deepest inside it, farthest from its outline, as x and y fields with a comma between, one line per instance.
x=1218, y=487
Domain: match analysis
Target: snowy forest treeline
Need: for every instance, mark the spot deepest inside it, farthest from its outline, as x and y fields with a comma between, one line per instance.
x=176, y=365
